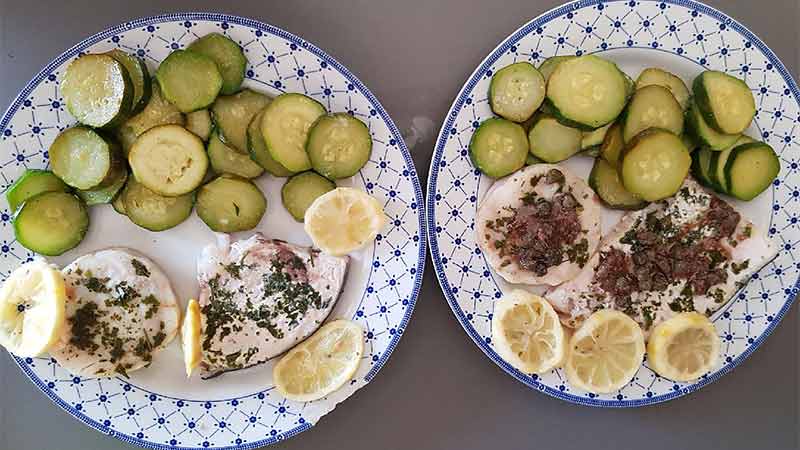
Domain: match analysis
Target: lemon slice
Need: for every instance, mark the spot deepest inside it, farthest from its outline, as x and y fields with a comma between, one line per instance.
x=322, y=363
x=684, y=347
x=605, y=352
x=343, y=220
x=190, y=337
x=32, y=309
x=527, y=333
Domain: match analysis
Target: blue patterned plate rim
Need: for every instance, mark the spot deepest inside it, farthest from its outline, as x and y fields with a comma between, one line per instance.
x=441, y=141
x=271, y=29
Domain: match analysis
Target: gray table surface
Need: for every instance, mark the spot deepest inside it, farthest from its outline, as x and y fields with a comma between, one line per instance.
x=438, y=391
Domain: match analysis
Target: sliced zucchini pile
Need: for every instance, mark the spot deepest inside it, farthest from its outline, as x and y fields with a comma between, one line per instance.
x=144, y=145
x=647, y=135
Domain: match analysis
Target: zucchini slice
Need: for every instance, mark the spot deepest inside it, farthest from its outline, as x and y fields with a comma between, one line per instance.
x=552, y=142
x=140, y=77
x=594, y=138
x=81, y=157
x=107, y=191
x=232, y=114
x=604, y=179
x=658, y=77
x=726, y=102
x=227, y=55
x=612, y=145
x=716, y=170
x=498, y=147
x=189, y=80
x=199, y=123
x=152, y=211
x=285, y=125
x=701, y=166
x=51, y=223
x=549, y=65
x=158, y=111
x=300, y=191
x=516, y=91
x=750, y=170
x=258, y=149
x=654, y=164
x=587, y=92
x=704, y=134
x=224, y=159
x=531, y=160
x=229, y=204
x=97, y=90
x=119, y=203
x=652, y=107
x=33, y=182
x=689, y=141
x=169, y=160
x=338, y=145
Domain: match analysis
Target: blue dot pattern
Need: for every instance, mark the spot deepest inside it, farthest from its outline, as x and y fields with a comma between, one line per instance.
x=279, y=62
x=689, y=30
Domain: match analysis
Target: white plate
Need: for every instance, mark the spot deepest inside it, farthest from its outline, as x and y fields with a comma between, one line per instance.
x=158, y=407
x=684, y=37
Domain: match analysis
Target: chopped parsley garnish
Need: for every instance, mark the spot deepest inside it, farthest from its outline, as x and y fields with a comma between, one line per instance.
x=140, y=269
x=82, y=327
x=152, y=306
x=737, y=268
x=98, y=285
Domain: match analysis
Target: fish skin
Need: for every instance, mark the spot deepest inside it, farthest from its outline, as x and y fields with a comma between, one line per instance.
x=325, y=274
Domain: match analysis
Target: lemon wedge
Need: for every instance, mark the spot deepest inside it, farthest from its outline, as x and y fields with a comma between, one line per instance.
x=322, y=363
x=684, y=347
x=343, y=220
x=32, y=311
x=605, y=352
x=190, y=337
x=527, y=333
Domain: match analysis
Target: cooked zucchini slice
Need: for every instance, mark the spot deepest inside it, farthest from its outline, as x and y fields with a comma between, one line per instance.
x=652, y=107
x=224, y=159
x=516, y=91
x=158, y=111
x=229, y=58
x=97, y=90
x=498, y=147
x=81, y=157
x=604, y=179
x=33, y=182
x=338, y=145
x=229, y=204
x=726, y=102
x=140, y=77
x=552, y=142
x=701, y=166
x=152, y=211
x=258, y=149
x=587, y=92
x=531, y=160
x=169, y=160
x=654, y=164
x=199, y=123
x=108, y=190
x=300, y=191
x=750, y=170
x=689, y=141
x=119, y=203
x=612, y=145
x=594, y=138
x=51, y=223
x=704, y=134
x=716, y=174
x=232, y=114
x=285, y=125
x=189, y=80
x=549, y=65
x=658, y=77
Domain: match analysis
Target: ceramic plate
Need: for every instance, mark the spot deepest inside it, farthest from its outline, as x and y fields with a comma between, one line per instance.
x=684, y=37
x=158, y=407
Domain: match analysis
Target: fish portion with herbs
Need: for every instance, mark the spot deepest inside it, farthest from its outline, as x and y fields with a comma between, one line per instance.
x=120, y=311
x=690, y=252
x=259, y=297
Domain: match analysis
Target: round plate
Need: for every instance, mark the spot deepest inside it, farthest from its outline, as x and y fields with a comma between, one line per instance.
x=683, y=37
x=158, y=407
